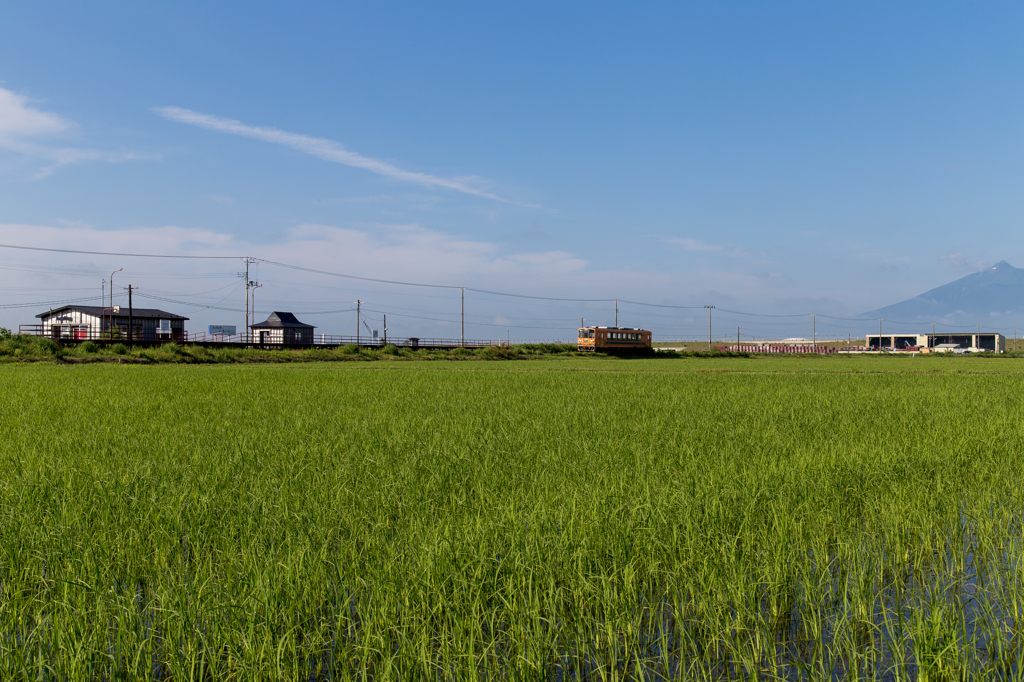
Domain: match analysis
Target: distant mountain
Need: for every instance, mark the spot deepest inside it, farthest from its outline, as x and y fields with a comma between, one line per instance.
x=993, y=296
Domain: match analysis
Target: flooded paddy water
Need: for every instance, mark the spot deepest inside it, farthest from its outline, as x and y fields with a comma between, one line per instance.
x=562, y=520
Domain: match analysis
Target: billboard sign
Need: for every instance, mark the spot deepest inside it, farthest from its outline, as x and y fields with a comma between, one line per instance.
x=222, y=329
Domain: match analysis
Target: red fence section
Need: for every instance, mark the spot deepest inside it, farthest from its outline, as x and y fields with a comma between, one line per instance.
x=777, y=348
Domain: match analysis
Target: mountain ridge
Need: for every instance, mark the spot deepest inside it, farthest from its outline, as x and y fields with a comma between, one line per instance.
x=992, y=293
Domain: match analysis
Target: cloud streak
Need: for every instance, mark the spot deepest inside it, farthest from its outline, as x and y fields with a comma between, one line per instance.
x=959, y=261
x=322, y=148
x=18, y=120
x=21, y=126
x=697, y=245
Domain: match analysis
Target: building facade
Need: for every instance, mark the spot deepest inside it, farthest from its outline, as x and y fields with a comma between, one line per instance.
x=282, y=329
x=974, y=343
x=81, y=323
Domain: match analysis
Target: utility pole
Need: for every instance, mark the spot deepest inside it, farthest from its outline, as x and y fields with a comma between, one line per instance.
x=814, y=330
x=616, y=313
x=385, y=329
x=737, y=338
x=131, y=320
x=710, y=308
x=462, y=325
x=248, y=330
x=879, y=335
x=255, y=286
x=358, y=308
x=111, y=326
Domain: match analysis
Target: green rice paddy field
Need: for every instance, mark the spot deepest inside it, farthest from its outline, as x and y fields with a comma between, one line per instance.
x=577, y=519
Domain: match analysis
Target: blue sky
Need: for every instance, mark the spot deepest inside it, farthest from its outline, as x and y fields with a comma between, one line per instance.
x=779, y=159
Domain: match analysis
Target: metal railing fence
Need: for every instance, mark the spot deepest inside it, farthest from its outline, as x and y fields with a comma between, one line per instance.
x=77, y=334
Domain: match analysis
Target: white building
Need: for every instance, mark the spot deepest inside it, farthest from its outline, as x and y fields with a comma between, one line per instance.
x=83, y=322
x=974, y=343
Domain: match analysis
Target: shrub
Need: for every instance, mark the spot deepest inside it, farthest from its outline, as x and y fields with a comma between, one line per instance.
x=389, y=349
x=349, y=349
x=5, y=333
x=89, y=347
x=49, y=346
x=498, y=352
x=171, y=348
x=119, y=349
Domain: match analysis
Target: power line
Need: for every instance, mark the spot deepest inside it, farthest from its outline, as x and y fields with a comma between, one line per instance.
x=364, y=279
x=475, y=324
x=109, y=253
x=662, y=305
x=737, y=312
x=300, y=268
x=541, y=298
x=61, y=303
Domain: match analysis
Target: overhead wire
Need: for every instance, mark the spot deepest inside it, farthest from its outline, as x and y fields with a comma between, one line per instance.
x=300, y=268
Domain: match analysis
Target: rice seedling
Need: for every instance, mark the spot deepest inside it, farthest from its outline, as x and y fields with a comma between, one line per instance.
x=579, y=519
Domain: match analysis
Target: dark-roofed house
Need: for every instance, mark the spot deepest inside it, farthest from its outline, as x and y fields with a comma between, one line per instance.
x=283, y=328
x=96, y=322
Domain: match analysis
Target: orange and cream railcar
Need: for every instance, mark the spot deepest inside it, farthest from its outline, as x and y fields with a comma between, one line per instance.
x=612, y=339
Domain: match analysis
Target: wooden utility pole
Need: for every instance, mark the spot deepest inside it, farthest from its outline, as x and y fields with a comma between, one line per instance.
x=248, y=329
x=358, y=308
x=616, y=313
x=710, y=308
x=385, y=329
x=462, y=325
x=814, y=330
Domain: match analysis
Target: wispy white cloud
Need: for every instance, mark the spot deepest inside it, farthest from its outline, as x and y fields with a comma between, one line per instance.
x=18, y=120
x=959, y=261
x=697, y=245
x=221, y=199
x=325, y=149
x=408, y=252
x=29, y=131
